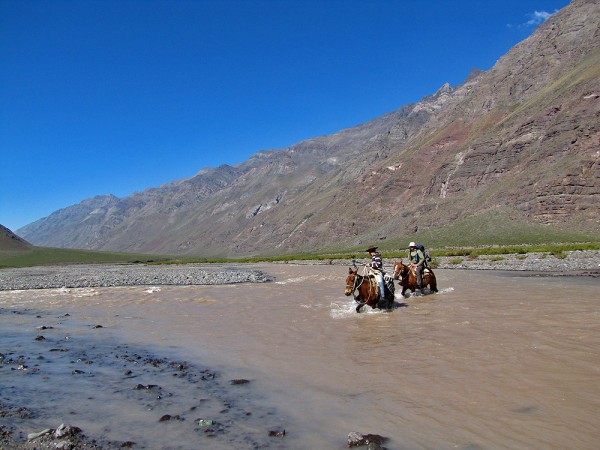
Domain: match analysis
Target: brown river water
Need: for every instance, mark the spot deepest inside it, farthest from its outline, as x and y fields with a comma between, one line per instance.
x=494, y=360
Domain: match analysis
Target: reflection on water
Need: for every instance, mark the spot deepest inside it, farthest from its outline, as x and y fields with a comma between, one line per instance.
x=488, y=362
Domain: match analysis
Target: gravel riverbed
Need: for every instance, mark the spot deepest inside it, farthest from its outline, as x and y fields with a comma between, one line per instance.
x=111, y=275
x=582, y=262
x=579, y=262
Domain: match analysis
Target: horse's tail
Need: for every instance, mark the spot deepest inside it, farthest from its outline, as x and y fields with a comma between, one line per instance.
x=432, y=280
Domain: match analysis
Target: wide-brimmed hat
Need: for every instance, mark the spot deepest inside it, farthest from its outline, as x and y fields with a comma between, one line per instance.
x=412, y=244
x=371, y=249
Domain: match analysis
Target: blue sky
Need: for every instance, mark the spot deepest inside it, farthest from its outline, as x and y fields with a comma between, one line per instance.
x=117, y=96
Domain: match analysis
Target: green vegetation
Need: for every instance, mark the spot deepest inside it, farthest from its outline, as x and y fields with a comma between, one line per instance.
x=555, y=249
x=39, y=256
x=499, y=227
x=559, y=254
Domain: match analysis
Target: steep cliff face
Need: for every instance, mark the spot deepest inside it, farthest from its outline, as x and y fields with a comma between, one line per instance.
x=523, y=136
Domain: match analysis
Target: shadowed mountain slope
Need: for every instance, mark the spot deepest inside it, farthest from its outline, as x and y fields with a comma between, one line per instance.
x=9, y=241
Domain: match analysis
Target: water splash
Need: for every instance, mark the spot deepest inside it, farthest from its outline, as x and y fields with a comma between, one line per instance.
x=153, y=289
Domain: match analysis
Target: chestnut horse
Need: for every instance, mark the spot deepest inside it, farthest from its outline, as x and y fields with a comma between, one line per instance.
x=367, y=291
x=408, y=276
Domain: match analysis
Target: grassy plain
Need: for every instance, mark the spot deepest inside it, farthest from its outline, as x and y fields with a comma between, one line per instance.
x=39, y=256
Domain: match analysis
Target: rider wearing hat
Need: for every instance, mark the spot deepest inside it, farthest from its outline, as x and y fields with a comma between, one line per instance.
x=417, y=260
x=376, y=266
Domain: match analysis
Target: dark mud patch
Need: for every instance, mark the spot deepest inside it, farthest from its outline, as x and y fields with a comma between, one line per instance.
x=118, y=395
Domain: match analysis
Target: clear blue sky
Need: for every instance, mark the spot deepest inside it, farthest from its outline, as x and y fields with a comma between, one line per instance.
x=117, y=96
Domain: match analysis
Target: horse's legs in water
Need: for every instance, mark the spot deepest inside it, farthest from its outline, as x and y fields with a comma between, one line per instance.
x=432, y=283
x=360, y=305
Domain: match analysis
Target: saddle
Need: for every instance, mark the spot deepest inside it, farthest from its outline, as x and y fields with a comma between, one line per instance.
x=413, y=270
x=388, y=282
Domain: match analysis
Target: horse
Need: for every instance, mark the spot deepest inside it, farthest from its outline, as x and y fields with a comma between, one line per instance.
x=408, y=275
x=368, y=291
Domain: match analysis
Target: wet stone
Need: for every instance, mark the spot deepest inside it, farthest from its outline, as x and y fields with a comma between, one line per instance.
x=277, y=433
x=372, y=441
x=195, y=392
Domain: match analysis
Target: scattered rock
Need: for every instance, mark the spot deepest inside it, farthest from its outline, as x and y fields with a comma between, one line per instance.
x=65, y=430
x=32, y=436
x=206, y=422
x=149, y=387
x=168, y=417
x=373, y=441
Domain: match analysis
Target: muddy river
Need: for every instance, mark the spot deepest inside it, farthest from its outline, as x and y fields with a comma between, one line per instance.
x=494, y=360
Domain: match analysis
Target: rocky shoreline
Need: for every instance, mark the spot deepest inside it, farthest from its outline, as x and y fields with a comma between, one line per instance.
x=574, y=263
x=47, y=378
x=112, y=275
x=578, y=262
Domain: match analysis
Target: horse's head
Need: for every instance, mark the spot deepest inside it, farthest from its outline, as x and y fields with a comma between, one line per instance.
x=400, y=270
x=351, y=281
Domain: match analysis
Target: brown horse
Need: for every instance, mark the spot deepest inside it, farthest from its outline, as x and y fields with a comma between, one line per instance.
x=367, y=291
x=408, y=276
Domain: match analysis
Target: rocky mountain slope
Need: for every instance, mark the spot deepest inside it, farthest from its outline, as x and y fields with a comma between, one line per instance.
x=522, y=138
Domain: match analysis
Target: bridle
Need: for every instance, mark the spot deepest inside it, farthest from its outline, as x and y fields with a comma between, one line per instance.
x=356, y=283
x=401, y=271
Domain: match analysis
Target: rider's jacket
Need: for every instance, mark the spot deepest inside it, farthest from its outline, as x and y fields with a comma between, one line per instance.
x=416, y=257
x=376, y=262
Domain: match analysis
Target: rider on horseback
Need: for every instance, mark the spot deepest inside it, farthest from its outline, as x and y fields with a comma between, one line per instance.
x=376, y=266
x=417, y=260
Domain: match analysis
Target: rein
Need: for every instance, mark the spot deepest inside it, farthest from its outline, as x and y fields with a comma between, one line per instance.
x=355, y=285
x=403, y=270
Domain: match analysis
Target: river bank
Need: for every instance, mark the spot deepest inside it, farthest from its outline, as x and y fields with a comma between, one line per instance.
x=578, y=262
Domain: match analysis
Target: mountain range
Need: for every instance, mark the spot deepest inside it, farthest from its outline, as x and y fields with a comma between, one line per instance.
x=515, y=149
